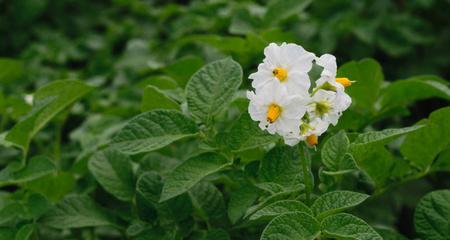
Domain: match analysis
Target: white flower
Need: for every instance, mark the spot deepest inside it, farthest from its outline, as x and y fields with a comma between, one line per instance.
x=308, y=127
x=332, y=89
x=276, y=110
x=287, y=64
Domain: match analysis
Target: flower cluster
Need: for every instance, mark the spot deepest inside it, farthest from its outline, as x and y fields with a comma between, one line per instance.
x=285, y=103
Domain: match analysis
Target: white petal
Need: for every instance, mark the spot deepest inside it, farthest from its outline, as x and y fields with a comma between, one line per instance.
x=328, y=62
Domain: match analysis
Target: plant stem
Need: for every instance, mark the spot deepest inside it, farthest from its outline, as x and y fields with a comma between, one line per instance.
x=305, y=160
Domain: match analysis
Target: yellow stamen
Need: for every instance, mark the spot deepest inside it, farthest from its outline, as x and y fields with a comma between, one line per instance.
x=273, y=112
x=280, y=73
x=344, y=82
x=312, y=140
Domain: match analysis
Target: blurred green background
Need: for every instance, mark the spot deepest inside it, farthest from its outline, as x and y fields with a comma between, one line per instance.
x=121, y=46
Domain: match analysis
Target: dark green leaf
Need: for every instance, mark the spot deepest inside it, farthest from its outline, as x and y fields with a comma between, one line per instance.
x=209, y=203
x=182, y=69
x=432, y=215
x=368, y=76
x=280, y=207
x=292, y=226
x=337, y=201
x=212, y=88
x=37, y=167
x=57, y=96
x=335, y=154
x=281, y=165
x=422, y=147
x=10, y=70
x=77, y=211
x=240, y=200
x=153, y=98
x=245, y=134
x=114, y=172
x=346, y=226
x=153, y=130
x=187, y=174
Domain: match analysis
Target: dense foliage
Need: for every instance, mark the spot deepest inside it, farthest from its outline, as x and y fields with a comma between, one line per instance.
x=128, y=120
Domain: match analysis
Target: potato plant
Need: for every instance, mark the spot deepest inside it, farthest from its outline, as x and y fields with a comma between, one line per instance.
x=162, y=125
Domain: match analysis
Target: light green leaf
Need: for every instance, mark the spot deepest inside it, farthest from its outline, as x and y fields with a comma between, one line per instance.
x=346, y=226
x=25, y=232
x=432, y=215
x=335, y=154
x=368, y=76
x=161, y=82
x=401, y=93
x=51, y=100
x=337, y=201
x=288, y=8
x=10, y=70
x=384, y=136
x=191, y=171
x=240, y=200
x=245, y=134
x=153, y=98
x=212, y=88
x=153, y=130
x=422, y=146
x=280, y=207
x=209, y=203
x=37, y=167
x=114, y=172
x=292, y=226
x=281, y=165
x=77, y=211
x=182, y=69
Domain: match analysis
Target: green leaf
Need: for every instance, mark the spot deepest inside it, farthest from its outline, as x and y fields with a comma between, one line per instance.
x=432, y=215
x=191, y=171
x=279, y=10
x=51, y=100
x=217, y=234
x=212, y=88
x=153, y=98
x=182, y=69
x=25, y=232
x=335, y=154
x=280, y=207
x=37, y=167
x=7, y=233
x=240, y=200
x=209, y=203
x=422, y=146
x=148, y=192
x=153, y=130
x=390, y=234
x=53, y=186
x=245, y=134
x=114, y=172
x=346, y=226
x=281, y=165
x=161, y=82
x=337, y=201
x=292, y=226
x=401, y=93
x=368, y=76
x=77, y=211
x=10, y=70
x=384, y=136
